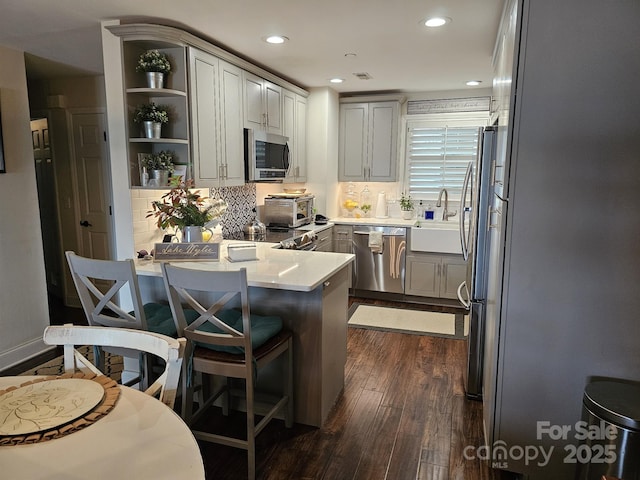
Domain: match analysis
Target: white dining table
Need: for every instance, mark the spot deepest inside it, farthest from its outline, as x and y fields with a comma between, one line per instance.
x=139, y=438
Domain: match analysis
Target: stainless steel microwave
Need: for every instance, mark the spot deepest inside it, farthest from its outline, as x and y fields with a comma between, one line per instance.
x=266, y=156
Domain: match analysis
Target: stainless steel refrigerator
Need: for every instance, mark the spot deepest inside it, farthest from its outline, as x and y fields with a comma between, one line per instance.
x=474, y=230
x=564, y=270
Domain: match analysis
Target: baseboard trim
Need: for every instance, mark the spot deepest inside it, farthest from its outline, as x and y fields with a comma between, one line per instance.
x=23, y=353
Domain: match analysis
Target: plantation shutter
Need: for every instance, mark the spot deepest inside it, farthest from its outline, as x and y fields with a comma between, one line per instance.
x=438, y=158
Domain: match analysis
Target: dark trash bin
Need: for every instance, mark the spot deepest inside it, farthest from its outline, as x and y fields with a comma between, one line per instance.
x=611, y=427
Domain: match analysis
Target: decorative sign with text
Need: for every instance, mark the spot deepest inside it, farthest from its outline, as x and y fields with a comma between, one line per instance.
x=187, y=252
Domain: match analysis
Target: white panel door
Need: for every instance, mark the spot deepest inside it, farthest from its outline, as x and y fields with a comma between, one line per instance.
x=93, y=199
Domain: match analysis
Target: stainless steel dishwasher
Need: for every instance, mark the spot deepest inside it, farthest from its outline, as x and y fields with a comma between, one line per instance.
x=380, y=254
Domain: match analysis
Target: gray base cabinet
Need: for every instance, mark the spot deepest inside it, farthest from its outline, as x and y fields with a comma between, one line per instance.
x=434, y=275
x=343, y=238
x=325, y=240
x=343, y=243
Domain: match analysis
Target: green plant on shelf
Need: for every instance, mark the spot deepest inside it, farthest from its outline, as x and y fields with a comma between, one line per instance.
x=153, y=61
x=150, y=112
x=162, y=160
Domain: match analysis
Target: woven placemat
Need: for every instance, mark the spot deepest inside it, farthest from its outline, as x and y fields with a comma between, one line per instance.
x=109, y=400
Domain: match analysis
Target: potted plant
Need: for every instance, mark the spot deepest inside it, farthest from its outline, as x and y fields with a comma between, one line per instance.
x=159, y=166
x=156, y=65
x=187, y=211
x=151, y=116
x=406, y=205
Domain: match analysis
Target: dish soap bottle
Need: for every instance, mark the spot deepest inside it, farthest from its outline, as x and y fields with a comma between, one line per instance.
x=420, y=212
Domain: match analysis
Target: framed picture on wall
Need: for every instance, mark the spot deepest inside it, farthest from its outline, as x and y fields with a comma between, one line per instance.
x=2, y=164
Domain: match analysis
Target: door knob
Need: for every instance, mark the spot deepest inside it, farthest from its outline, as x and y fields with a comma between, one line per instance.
x=85, y=223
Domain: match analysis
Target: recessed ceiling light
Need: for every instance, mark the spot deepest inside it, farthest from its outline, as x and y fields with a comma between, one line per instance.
x=337, y=80
x=275, y=39
x=437, y=21
x=473, y=83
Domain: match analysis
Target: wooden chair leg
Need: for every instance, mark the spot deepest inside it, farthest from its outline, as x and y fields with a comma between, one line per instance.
x=288, y=415
x=187, y=395
x=226, y=401
x=251, y=430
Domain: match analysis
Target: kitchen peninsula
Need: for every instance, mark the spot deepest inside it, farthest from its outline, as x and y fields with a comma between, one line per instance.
x=309, y=290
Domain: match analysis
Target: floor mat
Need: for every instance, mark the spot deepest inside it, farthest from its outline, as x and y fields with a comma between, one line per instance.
x=408, y=321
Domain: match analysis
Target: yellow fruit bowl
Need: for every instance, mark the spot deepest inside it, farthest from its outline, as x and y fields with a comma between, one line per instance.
x=350, y=205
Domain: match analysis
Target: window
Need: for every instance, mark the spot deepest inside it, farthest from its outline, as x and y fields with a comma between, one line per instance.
x=438, y=155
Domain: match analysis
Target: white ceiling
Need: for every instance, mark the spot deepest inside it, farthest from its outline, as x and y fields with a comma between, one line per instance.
x=391, y=44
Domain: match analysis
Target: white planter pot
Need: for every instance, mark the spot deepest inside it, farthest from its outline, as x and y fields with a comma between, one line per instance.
x=195, y=234
x=407, y=214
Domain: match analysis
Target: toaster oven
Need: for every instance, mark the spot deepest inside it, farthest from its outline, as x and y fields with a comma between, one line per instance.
x=290, y=211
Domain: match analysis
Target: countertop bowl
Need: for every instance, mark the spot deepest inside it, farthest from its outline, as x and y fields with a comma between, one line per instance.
x=294, y=190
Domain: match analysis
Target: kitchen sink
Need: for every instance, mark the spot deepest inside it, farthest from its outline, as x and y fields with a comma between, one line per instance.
x=438, y=237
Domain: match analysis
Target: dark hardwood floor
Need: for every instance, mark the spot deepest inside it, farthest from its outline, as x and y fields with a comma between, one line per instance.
x=402, y=415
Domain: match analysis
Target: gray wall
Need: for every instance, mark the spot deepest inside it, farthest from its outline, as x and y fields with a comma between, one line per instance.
x=23, y=296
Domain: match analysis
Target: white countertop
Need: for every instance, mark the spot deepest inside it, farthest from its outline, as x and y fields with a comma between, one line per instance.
x=314, y=227
x=387, y=222
x=275, y=268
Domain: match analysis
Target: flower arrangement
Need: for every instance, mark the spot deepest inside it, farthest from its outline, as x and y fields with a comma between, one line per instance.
x=406, y=203
x=153, y=61
x=162, y=160
x=150, y=112
x=181, y=208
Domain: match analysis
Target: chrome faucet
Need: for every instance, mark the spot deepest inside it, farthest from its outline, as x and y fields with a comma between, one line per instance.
x=445, y=213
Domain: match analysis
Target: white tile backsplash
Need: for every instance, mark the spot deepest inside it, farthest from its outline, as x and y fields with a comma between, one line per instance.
x=145, y=231
x=241, y=202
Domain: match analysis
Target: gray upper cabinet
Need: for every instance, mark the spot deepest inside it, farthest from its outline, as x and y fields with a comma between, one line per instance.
x=216, y=106
x=212, y=95
x=368, y=143
x=294, y=123
x=231, y=124
x=262, y=104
